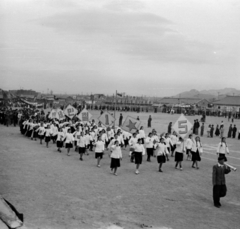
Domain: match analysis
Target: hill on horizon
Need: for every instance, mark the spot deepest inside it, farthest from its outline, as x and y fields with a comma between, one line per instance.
x=208, y=94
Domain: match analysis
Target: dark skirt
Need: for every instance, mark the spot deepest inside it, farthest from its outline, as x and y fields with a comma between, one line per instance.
x=149, y=151
x=178, y=156
x=54, y=138
x=223, y=155
x=99, y=155
x=35, y=134
x=81, y=150
x=47, y=139
x=115, y=162
x=41, y=136
x=126, y=142
x=196, y=156
x=29, y=133
x=138, y=157
x=59, y=144
x=69, y=145
x=161, y=159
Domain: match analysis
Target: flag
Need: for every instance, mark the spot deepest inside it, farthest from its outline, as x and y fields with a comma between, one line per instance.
x=182, y=126
x=106, y=119
x=70, y=111
x=53, y=114
x=84, y=115
x=131, y=124
x=119, y=95
x=60, y=114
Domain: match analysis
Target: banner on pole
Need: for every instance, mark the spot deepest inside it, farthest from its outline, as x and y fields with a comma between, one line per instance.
x=85, y=116
x=106, y=119
x=131, y=124
x=182, y=126
x=70, y=111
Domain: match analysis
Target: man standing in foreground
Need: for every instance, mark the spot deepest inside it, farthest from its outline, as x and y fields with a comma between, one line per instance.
x=219, y=182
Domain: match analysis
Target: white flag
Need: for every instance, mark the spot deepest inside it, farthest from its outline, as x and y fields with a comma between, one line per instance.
x=85, y=116
x=70, y=111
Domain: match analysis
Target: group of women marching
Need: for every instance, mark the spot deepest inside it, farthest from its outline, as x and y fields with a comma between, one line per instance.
x=85, y=137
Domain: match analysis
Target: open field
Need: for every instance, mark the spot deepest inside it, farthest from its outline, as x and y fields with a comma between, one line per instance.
x=57, y=191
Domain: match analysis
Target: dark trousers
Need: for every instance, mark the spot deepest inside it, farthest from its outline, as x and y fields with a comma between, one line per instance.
x=218, y=192
x=149, y=153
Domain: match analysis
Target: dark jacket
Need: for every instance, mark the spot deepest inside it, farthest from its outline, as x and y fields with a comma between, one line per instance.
x=218, y=176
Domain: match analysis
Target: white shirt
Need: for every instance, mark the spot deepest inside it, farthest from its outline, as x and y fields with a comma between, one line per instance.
x=174, y=139
x=161, y=149
x=139, y=148
x=48, y=132
x=168, y=142
x=133, y=141
x=116, y=151
x=41, y=130
x=60, y=136
x=99, y=147
x=196, y=146
x=222, y=148
x=141, y=134
x=54, y=130
x=189, y=143
x=69, y=138
x=82, y=142
x=179, y=147
x=149, y=142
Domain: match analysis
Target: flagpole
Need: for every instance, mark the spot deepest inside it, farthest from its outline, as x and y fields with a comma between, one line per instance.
x=115, y=108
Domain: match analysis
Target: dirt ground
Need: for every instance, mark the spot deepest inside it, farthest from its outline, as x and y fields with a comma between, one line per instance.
x=55, y=191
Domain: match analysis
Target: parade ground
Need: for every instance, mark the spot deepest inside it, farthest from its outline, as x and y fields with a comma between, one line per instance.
x=56, y=191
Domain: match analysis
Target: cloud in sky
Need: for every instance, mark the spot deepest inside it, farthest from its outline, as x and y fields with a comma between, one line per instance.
x=143, y=47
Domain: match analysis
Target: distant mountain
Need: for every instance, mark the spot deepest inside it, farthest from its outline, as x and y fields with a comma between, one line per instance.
x=208, y=94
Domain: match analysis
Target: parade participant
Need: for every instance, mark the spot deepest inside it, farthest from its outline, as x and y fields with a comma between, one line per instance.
x=126, y=138
x=82, y=145
x=142, y=134
x=196, y=151
x=104, y=137
x=189, y=145
x=161, y=151
x=133, y=140
x=41, y=131
x=174, y=140
x=149, y=142
x=168, y=143
x=47, y=133
x=34, y=131
x=88, y=139
x=60, y=138
x=99, y=149
x=76, y=135
x=54, y=132
x=69, y=139
x=219, y=181
x=149, y=121
x=222, y=148
x=179, y=153
x=116, y=156
x=139, y=151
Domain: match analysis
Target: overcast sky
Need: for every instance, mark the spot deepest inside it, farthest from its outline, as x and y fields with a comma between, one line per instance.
x=141, y=47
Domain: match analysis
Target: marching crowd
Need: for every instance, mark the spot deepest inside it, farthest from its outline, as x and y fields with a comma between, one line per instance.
x=85, y=137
